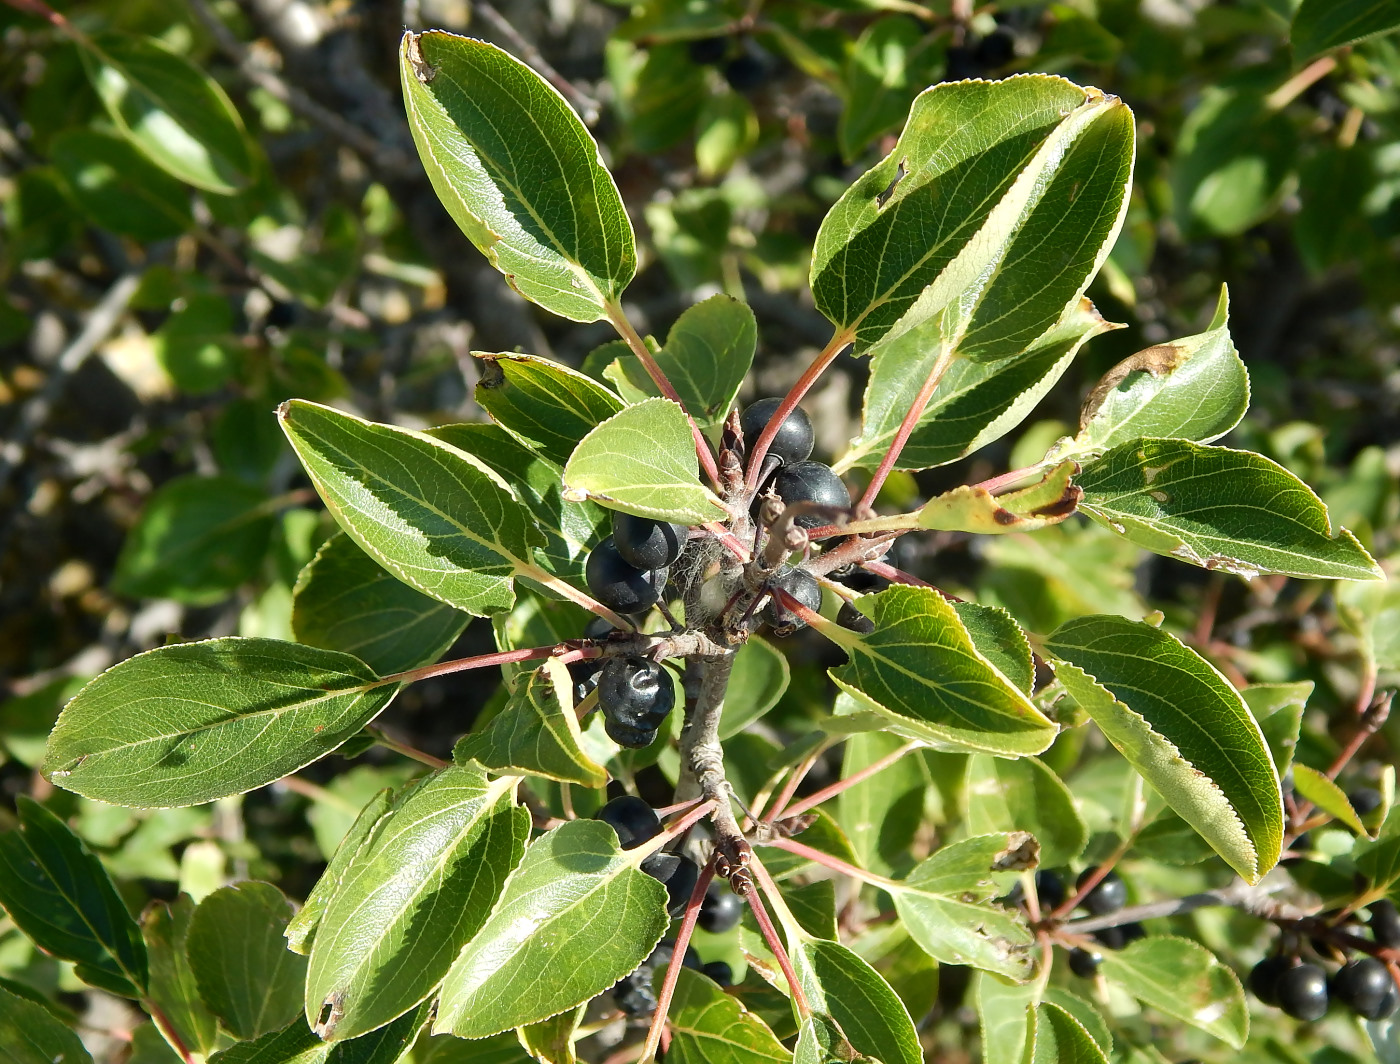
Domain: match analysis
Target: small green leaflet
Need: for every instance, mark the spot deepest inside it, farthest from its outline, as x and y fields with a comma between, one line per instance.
x=172, y=987
x=1220, y=509
x=188, y=723
x=642, y=461
x=31, y=1034
x=708, y=1027
x=544, y=404
x=1025, y=794
x=1183, y=979
x=1056, y=1037
x=575, y=917
x=518, y=171
x=435, y=517
x=1322, y=24
x=997, y=206
x=1327, y=796
x=920, y=669
x=439, y=857
x=1183, y=727
x=536, y=734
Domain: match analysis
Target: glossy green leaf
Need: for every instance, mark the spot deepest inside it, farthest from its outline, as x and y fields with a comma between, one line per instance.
x=438, y=519
x=57, y=892
x=30, y=1034
x=1221, y=509
x=118, y=188
x=1025, y=794
x=997, y=206
x=172, y=111
x=1056, y=1037
x=542, y=403
x=344, y=600
x=518, y=171
x=920, y=669
x=709, y=1026
x=536, y=734
x=882, y=814
x=303, y=925
x=878, y=82
x=1195, y=388
x=999, y=639
x=1183, y=979
x=172, y=987
x=298, y=1044
x=1183, y=727
x=839, y=984
x=245, y=972
x=410, y=897
x=192, y=722
x=1322, y=24
x=642, y=461
x=1314, y=787
x=575, y=895
x=198, y=540
x=758, y=680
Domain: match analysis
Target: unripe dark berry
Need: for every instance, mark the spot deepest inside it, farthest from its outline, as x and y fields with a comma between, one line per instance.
x=1385, y=924
x=802, y=586
x=1365, y=800
x=1302, y=992
x=720, y=972
x=811, y=482
x=634, y=821
x=677, y=873
x=645, y=543
x=850, y=617
x=1110, y=895
x=708, y=50
x=792, y=443
x=1363, y=985
x=1049, y=889
x=619, y=586
x=1264, y=976
x=1084, y=963
x=721, y=910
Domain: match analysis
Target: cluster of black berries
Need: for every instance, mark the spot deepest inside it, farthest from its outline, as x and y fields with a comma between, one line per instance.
x=1304, y=991
x=745, y=64
x=1108, y=896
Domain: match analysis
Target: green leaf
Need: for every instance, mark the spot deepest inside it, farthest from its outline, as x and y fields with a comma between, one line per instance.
x=536, y=734
x=198, y=540
x=1024, y=794
x=759, y=678
x=438, y=519
x=29, y=1034
x=246, y=973
x=882, y=814
x=997, y=206
x=57, y=892
x=172, y=111
x=1327, y=796
x=410, y=898
x=1183, y=727
x=877, y=83
x=542, y=403
x=920, y=669
x=185, y=724
x=1322, y=24
x=518, y=171
x=172, y=987
x=196, y=345
x=642, y=461
x=551, y=1041
x=1056, y=1037
x=1221, y=509
x=298, y=1044
x=575, y=895
x=726, y=129
x=344, y=600
x=975, y=403
x=1184, y=980
x=1195, y=388
x=1088, y=1016
x=999, y=639
x=1003, y=1012
x=1278, y=707
x=709, y=1026
x=118, y=188
x=839, y=984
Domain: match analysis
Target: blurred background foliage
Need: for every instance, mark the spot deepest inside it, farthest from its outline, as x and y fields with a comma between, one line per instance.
x=168, y=282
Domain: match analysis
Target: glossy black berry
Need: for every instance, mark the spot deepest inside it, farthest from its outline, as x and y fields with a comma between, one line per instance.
x=720, y=972
x=1363, y=985
x=645, y=543
x=721, y=910
x=1110, y=895
x=1264, y=976
x=635, y=690
x=1385, y=924
x=802, y=586
x=633, y=994
x=665, y=950
x=1119, y=936
x=746, y=72
x=811, y=482
x=1365, y=800
x=1302, y=992
x=677, y=873
x=850, y=617
x=634, y=821
x=618, y=585
x=1387, y=1005
x=792, y=443
x=708, y=50
x=1084, y=963
x=629, y=736
x=1049, y=890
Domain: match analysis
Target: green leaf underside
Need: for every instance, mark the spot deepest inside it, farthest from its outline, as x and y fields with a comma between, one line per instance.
x=412, y=895
x=542, y=403
x=186, y=724
x=1322, y=24
x=246, y=973
x=433, y=516
x=344, y=600
x=57, y=892
x=30, y=1034
x=536, y=733
x=1024, y=794
x=642, y=461
x=1183, y=727
x=839, y=984
x=519, y=172
x=1327, y=796
x=1011, y=194
x=298, y=1044
x=920, y=669
x=1056, y=1037
x=710, y=1027
x=575, y=917
x=975, y=403
x=174, y=113
x=172, y=986
x=1220, y=509
x=1182, y=979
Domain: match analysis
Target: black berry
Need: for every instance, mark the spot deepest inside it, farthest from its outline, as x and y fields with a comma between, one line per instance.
x=850, y=617
x=747, y=72
x=1119, y=936
x=802, y=586
x=645, y=543
x=720, y=972
x=1363, y=985
x=635, y=695
x=792, y=443
x=598, y=628
x=633, y=994
x=634, y=821
x=1302, y=992
x=811, y=482
x=619, y=585
x=995, y=50
x=1110, y=895
x=677, y=873
x=1385, y=924
x=1049, y=890
x=721, y=910
x=1365, y=800
x=708, y=50
x=665, y=950
x=1084, y=963
x=1264, y=976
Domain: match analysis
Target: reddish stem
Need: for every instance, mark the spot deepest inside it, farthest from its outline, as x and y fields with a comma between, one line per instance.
x=790, y=787
x=1006, y=480
x=770, y=935
x=821, y=857
x=673, y=970
x=832, y=790
x=37, y=7
x=482, y=661
x=794, y=396
x=906, y=429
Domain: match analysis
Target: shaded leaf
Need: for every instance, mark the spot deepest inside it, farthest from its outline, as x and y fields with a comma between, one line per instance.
x=118, y=188
x=1182, y=979
x=759, y=678
x=551, y=1041
x=710, y=1027
x=1322, y=24
x=30, y=1034
x=542, y=403
x=878, y=84
x=999, y=639
x=297, y=1044
x=1279, y=710
x=1024, y=795
x=882, y=814
x=196, y=345
x=1003, y=1012
x=725, y=130
x=172, y=987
